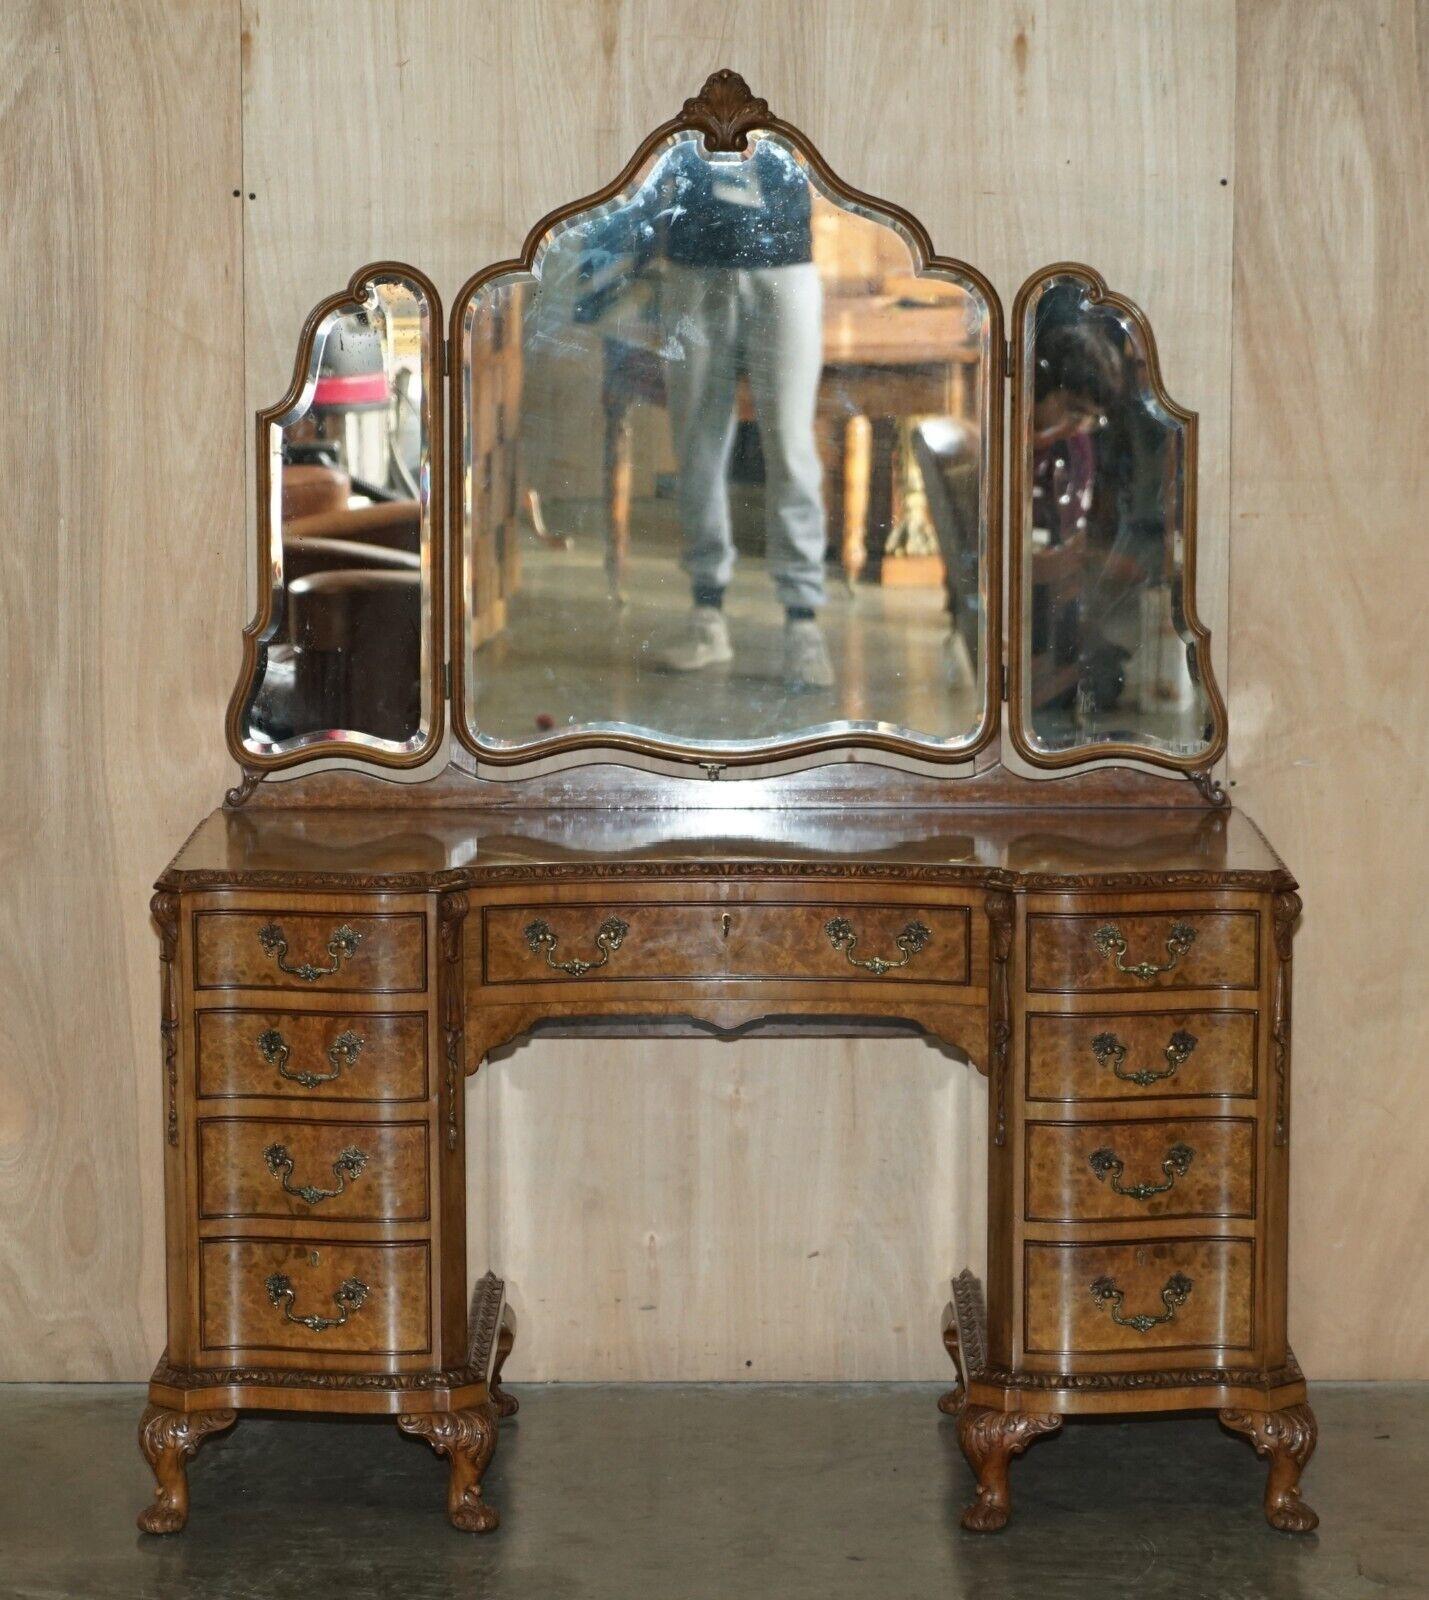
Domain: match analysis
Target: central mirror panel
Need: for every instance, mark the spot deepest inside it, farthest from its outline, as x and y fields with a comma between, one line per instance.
x=727, y=466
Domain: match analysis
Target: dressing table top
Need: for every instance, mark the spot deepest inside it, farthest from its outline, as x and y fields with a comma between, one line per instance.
x=415, y=848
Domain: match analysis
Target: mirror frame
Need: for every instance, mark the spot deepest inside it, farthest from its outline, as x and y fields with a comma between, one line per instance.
x=725, y=113
x=1200, y=764
x=309, y=747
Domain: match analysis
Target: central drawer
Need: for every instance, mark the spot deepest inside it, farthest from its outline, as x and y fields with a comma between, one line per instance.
x=316, y=1297
x=335, y=1171
x=701, y=941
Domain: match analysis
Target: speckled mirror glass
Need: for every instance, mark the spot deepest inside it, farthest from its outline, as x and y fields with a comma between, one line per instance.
x=1110, y=657
x=343, y=656
x=726, y=473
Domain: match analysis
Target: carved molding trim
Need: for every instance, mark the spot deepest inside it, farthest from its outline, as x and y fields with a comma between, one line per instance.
x=484, y=1321
x=971, y=877
x=173, y=1377
x=725, y=111
x=451, y=915
x=971, y=1315
x=1285, y=911
x=1000, y=907
x=165, y=909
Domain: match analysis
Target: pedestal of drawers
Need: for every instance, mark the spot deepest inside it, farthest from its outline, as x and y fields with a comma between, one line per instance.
x=1138, y=1180
x=314, y=1176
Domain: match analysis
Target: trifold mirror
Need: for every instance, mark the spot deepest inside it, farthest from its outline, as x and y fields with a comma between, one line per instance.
x=725, y=490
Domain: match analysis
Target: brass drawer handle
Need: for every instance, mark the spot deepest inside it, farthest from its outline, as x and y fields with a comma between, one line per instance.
x=1106, y=1047
x=914, y=937
x=347, y=1168
x=541, y=938
x=1111, y=941
x=1174, y=1295
x=1106, y=1164
x=342, y=1052
x=351, y=1295
x=344, y=942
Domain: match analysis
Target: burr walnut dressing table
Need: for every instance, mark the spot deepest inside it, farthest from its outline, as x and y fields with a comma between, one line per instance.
x=734, y=781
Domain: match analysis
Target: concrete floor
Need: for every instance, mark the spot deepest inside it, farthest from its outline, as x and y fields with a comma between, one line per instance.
x=684, y=1493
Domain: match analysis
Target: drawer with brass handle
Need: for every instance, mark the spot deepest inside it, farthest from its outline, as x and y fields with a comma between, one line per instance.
x=1107, y=1171
x=337, y=951
x=1099, y=951
x=1140, y=1055
x=716, y=940
x=312, y=1055
x=275, y=1295
x=1129, y=1295
x=335, y=1171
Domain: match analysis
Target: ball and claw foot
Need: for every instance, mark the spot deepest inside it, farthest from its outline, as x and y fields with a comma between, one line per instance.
x=468, y=1440
x=170, y=1440
x=989, y=1440
x=1287, y=1440
x=952, y=1402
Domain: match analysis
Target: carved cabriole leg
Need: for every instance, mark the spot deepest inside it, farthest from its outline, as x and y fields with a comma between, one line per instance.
x=468, y=1440
x=1287, y=1439
x=990, y=1439
x=169, y=1440
x=506, y=1405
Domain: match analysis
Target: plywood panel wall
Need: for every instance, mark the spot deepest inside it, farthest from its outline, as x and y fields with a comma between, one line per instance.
x=1329, y=701
x=121, y=573
x=1253, y=176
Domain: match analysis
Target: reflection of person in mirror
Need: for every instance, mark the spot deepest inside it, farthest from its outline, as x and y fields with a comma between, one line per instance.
x=740, y=292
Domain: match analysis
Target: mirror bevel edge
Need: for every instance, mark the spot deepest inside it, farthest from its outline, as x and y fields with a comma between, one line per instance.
x=1090, y=754
x=725, y=114
x=352, y=298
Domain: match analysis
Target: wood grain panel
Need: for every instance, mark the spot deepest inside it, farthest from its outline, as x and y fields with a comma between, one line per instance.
x=237, y=1311
x=386, y=1182
x=121, y=593
x=369, y=1056
x=1102, y=132
x=389, y=955
x=1066, y=1184
x=1063, y=1315
x=1063, y=954
x=1067, y=1058
x=1329, y=702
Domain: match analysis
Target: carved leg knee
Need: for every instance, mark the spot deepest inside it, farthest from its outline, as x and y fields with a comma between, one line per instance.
x=169, y=1440
x=468, y=1440
x=990, y=1439
x=952, y=1402
x=506, y=1404
x=1287, y=1440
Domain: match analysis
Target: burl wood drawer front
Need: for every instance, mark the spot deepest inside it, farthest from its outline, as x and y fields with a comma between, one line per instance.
x=714, y=940
x=1092, y=951
x=1162, y=1295
x=334, y=1171
x=315, y=1297
x=312, y=1055
x=331, y=951
x=1140, y=1055
x=1095, y=1171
